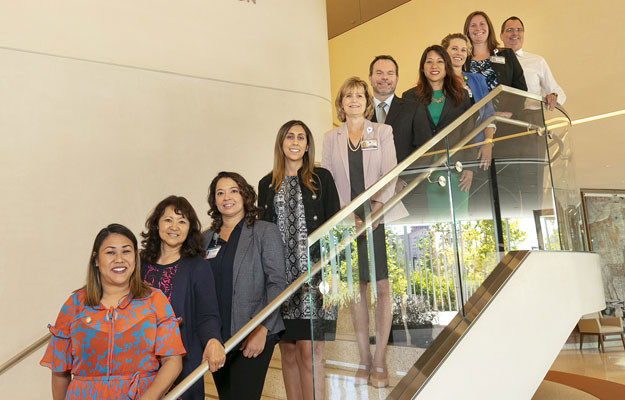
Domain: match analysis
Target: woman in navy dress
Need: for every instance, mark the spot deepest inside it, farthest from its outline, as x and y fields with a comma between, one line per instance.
x=171, y=260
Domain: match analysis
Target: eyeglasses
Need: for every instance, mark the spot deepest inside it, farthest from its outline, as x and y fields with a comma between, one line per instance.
x=516, y=30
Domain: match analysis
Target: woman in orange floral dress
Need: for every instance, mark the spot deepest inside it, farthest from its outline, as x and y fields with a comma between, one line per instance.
x=116, y=338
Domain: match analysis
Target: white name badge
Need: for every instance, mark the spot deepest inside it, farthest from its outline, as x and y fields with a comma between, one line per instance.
x=497, y=59
x=370, y=144
x=212, y=252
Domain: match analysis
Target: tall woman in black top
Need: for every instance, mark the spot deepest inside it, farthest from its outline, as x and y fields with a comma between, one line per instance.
x=299, y=198
x=171, y=261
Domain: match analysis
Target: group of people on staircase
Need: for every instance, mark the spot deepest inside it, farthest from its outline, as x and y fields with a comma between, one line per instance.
x=147, y=317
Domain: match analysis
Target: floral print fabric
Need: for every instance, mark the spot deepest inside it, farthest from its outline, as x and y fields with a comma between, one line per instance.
x=161, y=277
x=485, y=68
x=112, y=353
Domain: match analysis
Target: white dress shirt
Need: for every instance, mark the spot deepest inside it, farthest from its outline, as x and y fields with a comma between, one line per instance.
x=538, y=76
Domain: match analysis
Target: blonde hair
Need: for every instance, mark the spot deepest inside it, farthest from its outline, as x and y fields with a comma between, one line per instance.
x=349, y=86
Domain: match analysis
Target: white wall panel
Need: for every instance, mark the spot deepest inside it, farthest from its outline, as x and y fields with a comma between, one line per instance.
x=106, y=107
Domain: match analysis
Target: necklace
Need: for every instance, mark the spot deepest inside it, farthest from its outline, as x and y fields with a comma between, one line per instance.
x=438, y=100
x=352, y=147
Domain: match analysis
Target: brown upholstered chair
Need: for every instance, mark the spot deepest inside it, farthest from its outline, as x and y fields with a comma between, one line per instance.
x=595, y=324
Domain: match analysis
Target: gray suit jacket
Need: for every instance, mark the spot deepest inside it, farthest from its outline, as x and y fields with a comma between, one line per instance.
x=258, y=274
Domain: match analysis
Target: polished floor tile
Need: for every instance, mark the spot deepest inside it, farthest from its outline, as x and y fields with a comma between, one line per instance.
x=609, y=365
x=574, y=375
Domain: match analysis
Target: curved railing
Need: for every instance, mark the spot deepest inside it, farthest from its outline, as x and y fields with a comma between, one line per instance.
x=457, y=142
x=437, y=156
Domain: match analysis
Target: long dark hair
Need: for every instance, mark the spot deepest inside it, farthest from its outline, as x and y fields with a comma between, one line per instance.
x=308, y=162
x=247, y=193
x=151, y=243
x=93, y=287
x=452, y=85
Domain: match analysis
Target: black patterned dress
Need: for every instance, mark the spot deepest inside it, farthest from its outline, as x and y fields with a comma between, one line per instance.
x=306, y=302
x=485, y=68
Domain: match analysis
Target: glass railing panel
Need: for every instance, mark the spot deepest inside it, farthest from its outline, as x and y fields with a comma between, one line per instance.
x=419, y=248
x=502, y=196
x=520, y=178
x=386, y=292
x=566, y=191
x=502, y=190
x=373, y=333
x=440, y=242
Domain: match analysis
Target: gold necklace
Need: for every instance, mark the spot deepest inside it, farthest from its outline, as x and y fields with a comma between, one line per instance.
x=352, y=147
x=439, y=100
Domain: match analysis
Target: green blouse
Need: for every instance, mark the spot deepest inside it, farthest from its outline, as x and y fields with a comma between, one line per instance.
x=435, y=108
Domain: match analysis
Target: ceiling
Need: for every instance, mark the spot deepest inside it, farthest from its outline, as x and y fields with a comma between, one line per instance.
x=344, y=15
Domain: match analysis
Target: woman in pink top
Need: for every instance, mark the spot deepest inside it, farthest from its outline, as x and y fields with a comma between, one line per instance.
x=358, y=153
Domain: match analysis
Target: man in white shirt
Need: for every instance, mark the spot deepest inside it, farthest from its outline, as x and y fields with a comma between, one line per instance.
x=538, y=76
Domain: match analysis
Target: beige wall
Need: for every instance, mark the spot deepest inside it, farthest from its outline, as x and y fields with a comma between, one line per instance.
x=581, y=42
x=109, y=106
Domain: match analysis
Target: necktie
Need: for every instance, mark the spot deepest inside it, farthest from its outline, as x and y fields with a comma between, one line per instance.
x=381, y=112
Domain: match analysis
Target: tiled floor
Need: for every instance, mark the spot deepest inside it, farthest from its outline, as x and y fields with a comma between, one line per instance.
x=608, y=366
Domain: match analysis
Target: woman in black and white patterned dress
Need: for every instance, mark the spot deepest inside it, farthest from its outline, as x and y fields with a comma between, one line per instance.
x=299, y=198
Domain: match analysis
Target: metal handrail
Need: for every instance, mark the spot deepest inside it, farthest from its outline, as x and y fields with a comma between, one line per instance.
x=345, y=212
x=337, y=218
x=421, y=151
x=11, y=362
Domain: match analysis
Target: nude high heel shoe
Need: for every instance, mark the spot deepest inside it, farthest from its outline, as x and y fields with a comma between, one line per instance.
x=378, y=377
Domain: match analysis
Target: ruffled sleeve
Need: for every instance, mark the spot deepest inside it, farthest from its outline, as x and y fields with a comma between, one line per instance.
x=58, y=355
x=168, y=340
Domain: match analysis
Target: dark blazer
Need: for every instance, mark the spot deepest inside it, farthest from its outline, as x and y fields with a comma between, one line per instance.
x=258, y=274
x=194, y=301
x=402, y=117
x=427, y=128
x=318, y=207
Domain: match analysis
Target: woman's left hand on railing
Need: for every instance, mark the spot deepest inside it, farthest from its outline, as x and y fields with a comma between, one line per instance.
x=254, y=344
x=215, y=354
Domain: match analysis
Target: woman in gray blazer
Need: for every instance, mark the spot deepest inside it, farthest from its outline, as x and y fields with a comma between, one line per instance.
x=247, y=258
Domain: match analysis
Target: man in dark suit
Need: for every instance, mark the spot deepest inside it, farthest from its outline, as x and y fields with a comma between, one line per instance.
x=391, y=109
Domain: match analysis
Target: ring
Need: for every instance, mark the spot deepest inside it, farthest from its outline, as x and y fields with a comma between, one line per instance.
x=221, y=365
